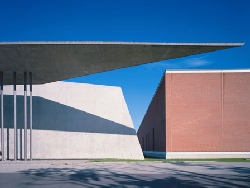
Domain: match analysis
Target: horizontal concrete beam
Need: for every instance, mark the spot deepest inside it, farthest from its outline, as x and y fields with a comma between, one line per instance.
x=54, y=61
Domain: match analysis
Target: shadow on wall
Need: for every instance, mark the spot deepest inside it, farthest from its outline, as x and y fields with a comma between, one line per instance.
x=50, y=115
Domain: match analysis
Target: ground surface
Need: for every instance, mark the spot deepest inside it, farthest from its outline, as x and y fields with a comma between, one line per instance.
x=123, y=174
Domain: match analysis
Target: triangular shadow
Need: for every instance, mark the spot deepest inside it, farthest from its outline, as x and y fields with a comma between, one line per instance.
x=50, y=115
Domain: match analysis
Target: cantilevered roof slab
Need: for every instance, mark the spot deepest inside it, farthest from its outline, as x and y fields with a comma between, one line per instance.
x=54, y=61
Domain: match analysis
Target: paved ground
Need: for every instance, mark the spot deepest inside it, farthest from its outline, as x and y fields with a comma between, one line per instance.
x=122, y=174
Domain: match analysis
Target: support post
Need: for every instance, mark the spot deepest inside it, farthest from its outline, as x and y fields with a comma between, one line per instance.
x=25, y=116
x=31, y=116
x=2, y=126
x=14, y=93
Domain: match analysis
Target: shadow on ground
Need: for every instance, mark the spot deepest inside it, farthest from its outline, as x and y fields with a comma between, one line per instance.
x=102, y=178
x=133, y=175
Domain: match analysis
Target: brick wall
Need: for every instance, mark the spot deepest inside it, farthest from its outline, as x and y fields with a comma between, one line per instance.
x=207, y=112
x=154, y=121
x=236, y=112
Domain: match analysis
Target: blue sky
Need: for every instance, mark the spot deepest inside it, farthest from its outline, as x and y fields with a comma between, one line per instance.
x=135, y=21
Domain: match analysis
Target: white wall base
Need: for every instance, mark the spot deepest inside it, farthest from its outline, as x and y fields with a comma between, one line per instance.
x=204, y=155
x=197, y=155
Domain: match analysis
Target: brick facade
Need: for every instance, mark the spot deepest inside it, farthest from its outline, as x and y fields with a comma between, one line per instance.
x=204, y=112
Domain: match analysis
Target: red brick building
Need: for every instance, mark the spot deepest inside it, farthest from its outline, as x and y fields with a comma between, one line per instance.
x=199, y=114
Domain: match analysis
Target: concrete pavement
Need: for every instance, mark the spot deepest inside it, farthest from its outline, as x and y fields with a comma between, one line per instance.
x=83, y=173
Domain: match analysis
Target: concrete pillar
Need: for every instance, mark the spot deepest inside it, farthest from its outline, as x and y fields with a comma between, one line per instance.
x=31, y=116
x=2, y=126
x=25, y=116
x=14, y=94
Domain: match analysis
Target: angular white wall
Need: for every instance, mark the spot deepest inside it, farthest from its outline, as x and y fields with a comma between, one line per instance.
x=73, y=121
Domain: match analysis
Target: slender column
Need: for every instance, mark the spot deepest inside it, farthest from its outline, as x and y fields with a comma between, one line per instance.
x=31, y=116
x=2, y=127
x=14, y=93
x=25, y=116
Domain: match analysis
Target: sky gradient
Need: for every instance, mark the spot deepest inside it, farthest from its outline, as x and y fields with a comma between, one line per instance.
x=135, y=21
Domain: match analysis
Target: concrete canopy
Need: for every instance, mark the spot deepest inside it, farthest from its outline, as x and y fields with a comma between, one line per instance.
x=54, y=61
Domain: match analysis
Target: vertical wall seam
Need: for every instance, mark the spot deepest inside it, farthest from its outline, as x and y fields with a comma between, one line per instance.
x=222, y=111
x=165, y=91
x=171, y=111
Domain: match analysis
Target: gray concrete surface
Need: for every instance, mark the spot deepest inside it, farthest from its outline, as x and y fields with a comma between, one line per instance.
x=123, y=174
x=73, y=121
x=55, y=61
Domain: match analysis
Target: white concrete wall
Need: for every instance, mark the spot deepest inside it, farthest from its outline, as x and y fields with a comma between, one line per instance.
x=73, y=120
